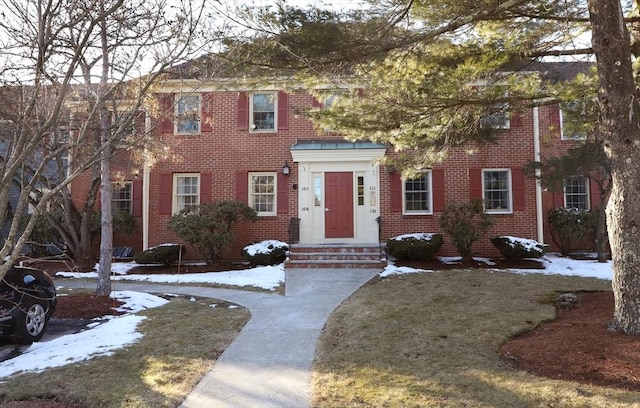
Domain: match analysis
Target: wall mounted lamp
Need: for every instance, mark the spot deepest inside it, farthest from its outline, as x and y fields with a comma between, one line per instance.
x=286, y=169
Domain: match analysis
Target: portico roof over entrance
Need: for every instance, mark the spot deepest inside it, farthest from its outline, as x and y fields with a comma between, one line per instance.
x=324, y=144
x=315, y=150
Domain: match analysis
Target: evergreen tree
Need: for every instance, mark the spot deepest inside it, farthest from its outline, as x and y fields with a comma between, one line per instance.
x=436, y=72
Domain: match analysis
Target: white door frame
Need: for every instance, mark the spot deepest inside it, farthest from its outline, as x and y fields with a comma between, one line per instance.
x=312, y=165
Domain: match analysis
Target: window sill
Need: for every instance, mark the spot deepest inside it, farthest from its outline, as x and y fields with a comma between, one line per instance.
x=259, y=132
x=509, y=212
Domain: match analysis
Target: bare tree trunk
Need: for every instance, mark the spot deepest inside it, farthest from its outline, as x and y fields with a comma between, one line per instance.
x=619, y=126
x=106, y=224
x=602, y=237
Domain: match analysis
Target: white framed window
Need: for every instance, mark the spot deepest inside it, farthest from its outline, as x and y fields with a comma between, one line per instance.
x=121, y=198
x=262, y=193
x=417, y=197
x=498, y=118
x=330, y=99
x=35, y=196
x=496, y=191
x=568, y=130
x=497, y=115
x=186, y=191
x=187, y=114
x=262, y=112
x=576, y=192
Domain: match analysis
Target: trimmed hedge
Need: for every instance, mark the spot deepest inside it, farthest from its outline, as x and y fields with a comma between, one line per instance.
x=270, y=252
x=165, y=254
x=516, y=249
x=420, y=247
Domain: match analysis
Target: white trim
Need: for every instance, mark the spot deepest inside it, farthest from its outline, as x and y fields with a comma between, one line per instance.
x=177, y=98
x=122, y=184
x=331, y=156
x=508, y=210
x=587, y=192
x=537, y=156
x=174, y=198
x=252, y=128
x=429, y=174
x=312, y=227
x=562, y=135
x=146, y=176
x=273, y=174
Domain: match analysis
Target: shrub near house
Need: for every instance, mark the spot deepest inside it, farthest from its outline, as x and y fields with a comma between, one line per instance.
x=420, y=246
x=208, y=227
x=165, y=254
x=517, y=249
x=268, y=252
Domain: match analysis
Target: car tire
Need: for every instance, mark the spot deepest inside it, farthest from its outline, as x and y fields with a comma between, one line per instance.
x=32, y=322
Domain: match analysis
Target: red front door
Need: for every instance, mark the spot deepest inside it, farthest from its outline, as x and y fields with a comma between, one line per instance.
x=338, y=216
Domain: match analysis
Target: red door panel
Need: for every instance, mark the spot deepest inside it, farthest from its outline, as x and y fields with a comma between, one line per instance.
x=338, y=216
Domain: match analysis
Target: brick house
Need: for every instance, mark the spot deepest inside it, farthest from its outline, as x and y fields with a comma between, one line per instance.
x=256, y=145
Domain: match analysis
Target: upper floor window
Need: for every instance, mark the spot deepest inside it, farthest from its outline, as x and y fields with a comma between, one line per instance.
x=262, y=193
x=497, y=113
x=187, y=114
x=121, y=199
x=186, y=191
x=417, y=198
x=576, y=192
x=570, y=129
x=263, y=112
x=498, y=118
x=496, y=190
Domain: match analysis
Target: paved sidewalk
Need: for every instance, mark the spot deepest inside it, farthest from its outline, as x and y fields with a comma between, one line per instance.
x=268, y=364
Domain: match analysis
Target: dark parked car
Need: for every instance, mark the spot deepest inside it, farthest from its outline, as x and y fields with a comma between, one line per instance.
x=27, y=301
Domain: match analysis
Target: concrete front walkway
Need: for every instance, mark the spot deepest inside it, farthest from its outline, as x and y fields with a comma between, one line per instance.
x=268, y=364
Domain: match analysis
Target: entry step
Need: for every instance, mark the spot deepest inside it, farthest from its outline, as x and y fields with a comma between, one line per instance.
x=335, y=256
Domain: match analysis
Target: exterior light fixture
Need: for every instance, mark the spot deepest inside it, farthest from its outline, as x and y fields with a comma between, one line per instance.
x=286, y=169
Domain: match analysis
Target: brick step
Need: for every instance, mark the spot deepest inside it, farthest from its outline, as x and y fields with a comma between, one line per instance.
x=336, y=256
x=335, y=265
x=371, y=256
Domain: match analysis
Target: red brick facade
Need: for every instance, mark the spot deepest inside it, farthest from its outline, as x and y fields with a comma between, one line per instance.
x=226, y=150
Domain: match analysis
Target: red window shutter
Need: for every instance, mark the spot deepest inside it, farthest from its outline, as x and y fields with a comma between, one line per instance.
x=206, y=112
x=594, y=192
x=517, y=185
x=242, y=187
x=168, y=112
x=396, y=192
x=315, y=103
x=516, y=120
x=558, y=199
x=437, y=179
x=166, y=187
x=136, y=198
x=475, y=183
x=554, y=120
x=243, y=111
x=283, y=111
x=205, y=188
x=283, y=194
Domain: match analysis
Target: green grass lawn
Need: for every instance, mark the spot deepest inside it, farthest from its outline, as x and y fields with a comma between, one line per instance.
x=432, y=339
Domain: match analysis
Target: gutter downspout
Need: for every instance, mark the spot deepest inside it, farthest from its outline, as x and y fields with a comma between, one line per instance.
x=146, y=172
x=537, y=158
